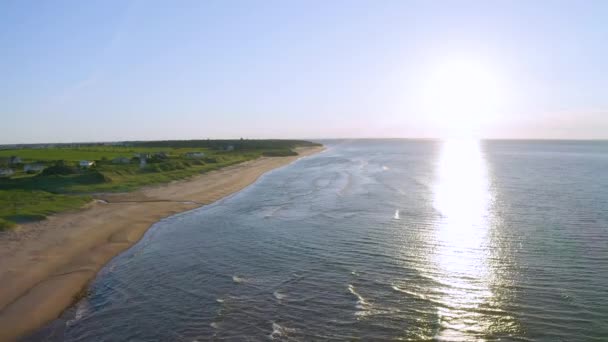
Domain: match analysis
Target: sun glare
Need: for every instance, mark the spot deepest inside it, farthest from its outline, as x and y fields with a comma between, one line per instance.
x=463, y=198
x=460, y=96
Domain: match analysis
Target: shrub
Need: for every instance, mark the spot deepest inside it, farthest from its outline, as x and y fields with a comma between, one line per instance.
x=89, y=177
x=59, y=168
x=166, y=167
x=152, y=168
x=280, y=153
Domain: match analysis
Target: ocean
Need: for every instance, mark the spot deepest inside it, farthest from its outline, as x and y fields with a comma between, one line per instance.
x=409, y=240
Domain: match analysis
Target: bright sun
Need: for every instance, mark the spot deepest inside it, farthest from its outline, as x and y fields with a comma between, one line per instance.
x=460, y=96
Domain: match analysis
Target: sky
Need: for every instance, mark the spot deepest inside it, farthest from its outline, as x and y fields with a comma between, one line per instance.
x=145, y=70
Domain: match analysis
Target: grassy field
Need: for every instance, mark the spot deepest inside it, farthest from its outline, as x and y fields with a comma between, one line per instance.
x=63, y=185
x=22, y=206
x=85, y=153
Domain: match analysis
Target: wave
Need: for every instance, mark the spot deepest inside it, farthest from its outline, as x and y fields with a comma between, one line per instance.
x=82, y=309
x=279, y=331
x=411, y=293
x=238, y=280
x=361, y=302
x=347, y=186
x=278, y=295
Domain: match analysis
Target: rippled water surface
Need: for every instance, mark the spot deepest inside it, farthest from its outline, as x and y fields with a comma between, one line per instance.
x=375, y=240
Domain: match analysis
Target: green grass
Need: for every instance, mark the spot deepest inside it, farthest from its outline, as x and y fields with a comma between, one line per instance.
x=26, y=197
x=87, y=153
x=17, y=206
x=130, y=177
x=117, y=177
x=5, y=225
x=279, y=153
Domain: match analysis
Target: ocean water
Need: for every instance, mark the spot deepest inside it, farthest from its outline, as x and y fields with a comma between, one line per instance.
x=375, y=240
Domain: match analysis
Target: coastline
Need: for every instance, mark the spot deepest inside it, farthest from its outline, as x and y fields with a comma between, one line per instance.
x=46, y=265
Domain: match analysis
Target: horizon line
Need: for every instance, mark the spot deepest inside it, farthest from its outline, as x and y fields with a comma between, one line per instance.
x=305, y=139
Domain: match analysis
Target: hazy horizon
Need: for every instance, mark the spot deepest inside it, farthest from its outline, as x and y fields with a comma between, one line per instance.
x=439, y=139
x=154, y=70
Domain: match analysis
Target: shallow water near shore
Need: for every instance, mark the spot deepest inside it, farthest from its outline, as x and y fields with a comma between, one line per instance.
x=375, y=240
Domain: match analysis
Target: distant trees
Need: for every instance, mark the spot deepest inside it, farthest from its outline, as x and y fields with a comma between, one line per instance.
x=237, y=144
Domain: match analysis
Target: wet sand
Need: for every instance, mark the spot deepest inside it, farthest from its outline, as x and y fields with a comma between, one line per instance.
x=46, y=266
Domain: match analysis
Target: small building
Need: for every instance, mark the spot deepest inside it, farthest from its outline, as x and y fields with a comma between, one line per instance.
x=14, y=160
x=86, y=164
x=143, y=155
x=6, y=172
x=33, y=167
x=194, y=155
x=229, y=148
x=121, y=160
x=160, y=155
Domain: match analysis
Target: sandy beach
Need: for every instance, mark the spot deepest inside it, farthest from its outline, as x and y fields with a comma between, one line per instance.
x=47, y=265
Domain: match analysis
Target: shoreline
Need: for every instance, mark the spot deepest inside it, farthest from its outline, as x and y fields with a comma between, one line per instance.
x=46, y=265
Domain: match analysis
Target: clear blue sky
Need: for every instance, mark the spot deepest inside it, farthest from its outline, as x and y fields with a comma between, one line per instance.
x=121, y=70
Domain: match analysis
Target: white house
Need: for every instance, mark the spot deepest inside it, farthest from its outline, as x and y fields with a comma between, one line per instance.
x=33, y=167
x=86, y=164
x=6, y=172
x=194, y=155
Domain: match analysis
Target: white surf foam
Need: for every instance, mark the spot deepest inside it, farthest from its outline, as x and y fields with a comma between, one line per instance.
x=279, y=331
x=82, y=310
x=361, y=302
x=278, y=295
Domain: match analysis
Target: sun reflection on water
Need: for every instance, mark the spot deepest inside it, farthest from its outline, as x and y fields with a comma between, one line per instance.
x=462, y=197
